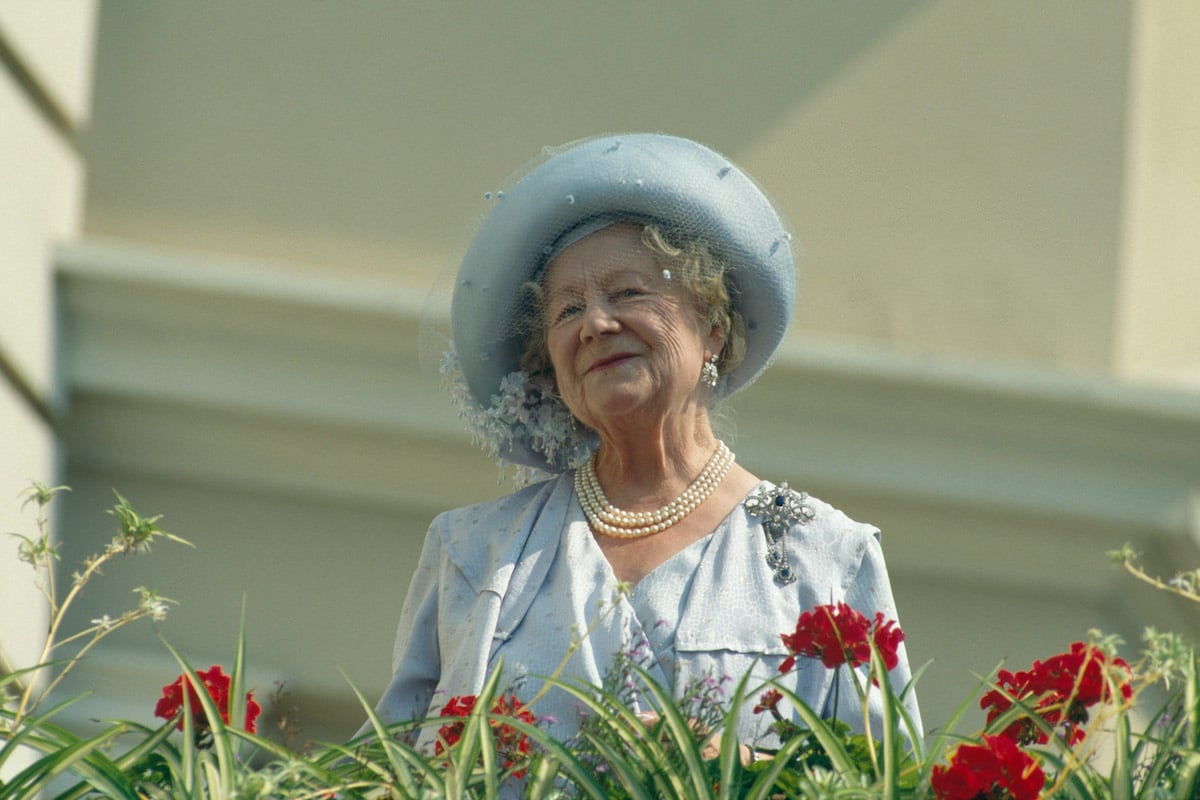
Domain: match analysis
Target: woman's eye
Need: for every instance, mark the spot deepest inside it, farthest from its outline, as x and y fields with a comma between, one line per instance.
x=628, y=293
x=565, y=313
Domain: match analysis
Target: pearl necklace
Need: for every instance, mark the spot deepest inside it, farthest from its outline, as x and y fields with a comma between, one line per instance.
x=609, y=520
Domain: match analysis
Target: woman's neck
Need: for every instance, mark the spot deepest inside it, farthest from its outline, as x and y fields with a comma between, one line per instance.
x=642, y=468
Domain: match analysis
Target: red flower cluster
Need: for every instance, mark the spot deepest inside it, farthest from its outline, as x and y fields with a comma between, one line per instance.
x=837, y=634
x=216, y=683
x=994, y=770
x=511, y=743
x=769, y=701
x=1061, y=688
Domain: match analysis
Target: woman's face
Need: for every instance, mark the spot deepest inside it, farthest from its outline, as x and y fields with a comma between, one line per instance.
x=623, y=339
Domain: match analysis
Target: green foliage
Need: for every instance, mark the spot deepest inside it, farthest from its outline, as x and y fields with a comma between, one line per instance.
x=677, y=751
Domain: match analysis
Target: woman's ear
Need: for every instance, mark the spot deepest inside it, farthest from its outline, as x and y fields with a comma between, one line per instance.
x=716, y=340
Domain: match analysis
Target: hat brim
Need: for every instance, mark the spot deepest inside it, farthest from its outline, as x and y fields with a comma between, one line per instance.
x=689, y=187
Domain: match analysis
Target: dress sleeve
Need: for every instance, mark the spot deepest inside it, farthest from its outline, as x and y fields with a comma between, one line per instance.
x=416, y=659
x=870, y=592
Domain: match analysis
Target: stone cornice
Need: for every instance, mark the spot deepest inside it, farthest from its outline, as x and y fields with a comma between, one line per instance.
x=157, y=341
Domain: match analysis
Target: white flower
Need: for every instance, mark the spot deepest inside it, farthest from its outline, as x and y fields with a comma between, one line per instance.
x=525, y=410
x=104, y=623
x=150, y=604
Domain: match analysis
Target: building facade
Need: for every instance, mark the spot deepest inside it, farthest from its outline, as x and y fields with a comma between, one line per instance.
x=995, y=357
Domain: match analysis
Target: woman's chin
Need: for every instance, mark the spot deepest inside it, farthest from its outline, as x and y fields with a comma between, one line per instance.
x=619, y=408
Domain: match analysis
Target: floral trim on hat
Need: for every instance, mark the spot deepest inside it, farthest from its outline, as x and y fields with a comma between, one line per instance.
x=525, y=410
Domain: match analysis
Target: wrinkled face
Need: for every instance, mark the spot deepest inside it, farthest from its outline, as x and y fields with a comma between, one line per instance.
x=622, y=338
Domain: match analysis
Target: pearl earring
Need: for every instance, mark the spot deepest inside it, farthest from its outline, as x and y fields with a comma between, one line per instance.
x=708, y=373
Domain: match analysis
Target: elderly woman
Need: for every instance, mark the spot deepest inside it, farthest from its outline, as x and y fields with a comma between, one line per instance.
x=609, y=300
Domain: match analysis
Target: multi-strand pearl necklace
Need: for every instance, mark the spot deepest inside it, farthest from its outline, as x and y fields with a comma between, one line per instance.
x=609, y=520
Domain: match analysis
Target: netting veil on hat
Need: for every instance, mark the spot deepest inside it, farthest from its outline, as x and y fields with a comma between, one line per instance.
x=679, y=184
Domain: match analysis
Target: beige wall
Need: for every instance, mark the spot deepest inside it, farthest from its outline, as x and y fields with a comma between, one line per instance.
x=1157, y=327
x=45, y=81
x=958, y=187
x=1003, y=181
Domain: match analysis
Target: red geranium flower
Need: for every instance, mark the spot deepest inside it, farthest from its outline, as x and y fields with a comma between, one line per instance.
x=768, y=701
x=1021, y=686
x=1087, y=675
x=994, y=770
x=837, y=634
x=511, y=743
x=1062, y=689
x=216, y=684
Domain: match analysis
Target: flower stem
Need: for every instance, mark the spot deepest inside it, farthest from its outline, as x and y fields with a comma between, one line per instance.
x=57, y=614
x=1137, y=572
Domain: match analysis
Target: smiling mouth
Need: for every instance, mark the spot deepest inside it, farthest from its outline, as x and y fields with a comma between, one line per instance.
x=610, y=361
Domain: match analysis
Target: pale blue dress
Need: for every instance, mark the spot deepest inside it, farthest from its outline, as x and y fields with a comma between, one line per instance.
x=514, y=583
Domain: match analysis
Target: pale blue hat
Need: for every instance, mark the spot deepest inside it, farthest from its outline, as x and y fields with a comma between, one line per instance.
x=642, y=176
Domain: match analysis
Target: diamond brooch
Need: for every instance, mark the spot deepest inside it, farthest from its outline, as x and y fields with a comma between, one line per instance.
x=780, y=508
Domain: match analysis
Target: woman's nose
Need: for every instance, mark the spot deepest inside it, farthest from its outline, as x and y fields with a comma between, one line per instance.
x=598, y=320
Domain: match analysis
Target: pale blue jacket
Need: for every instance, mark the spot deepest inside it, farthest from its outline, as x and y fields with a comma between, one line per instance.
x=484, y=569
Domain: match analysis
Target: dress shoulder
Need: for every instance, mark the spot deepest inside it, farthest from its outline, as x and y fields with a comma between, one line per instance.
x=485, y=539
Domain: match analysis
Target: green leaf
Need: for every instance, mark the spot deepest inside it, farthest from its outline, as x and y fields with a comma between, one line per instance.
x=150, y=742
x=841, y=760
x=41, y=494
x=34, y=778
x=642, y=760
x=1121, y=780
x=1187, y=776
x=683, y=738
x=223, y=777
x=557, y=754
x=891, y=738
x=399, y=758
x=620, y=763
x=32, y=727
x=765, y=784
x=731, y=755
x=1191, y=702
x=915, y=736
x=237, y=681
